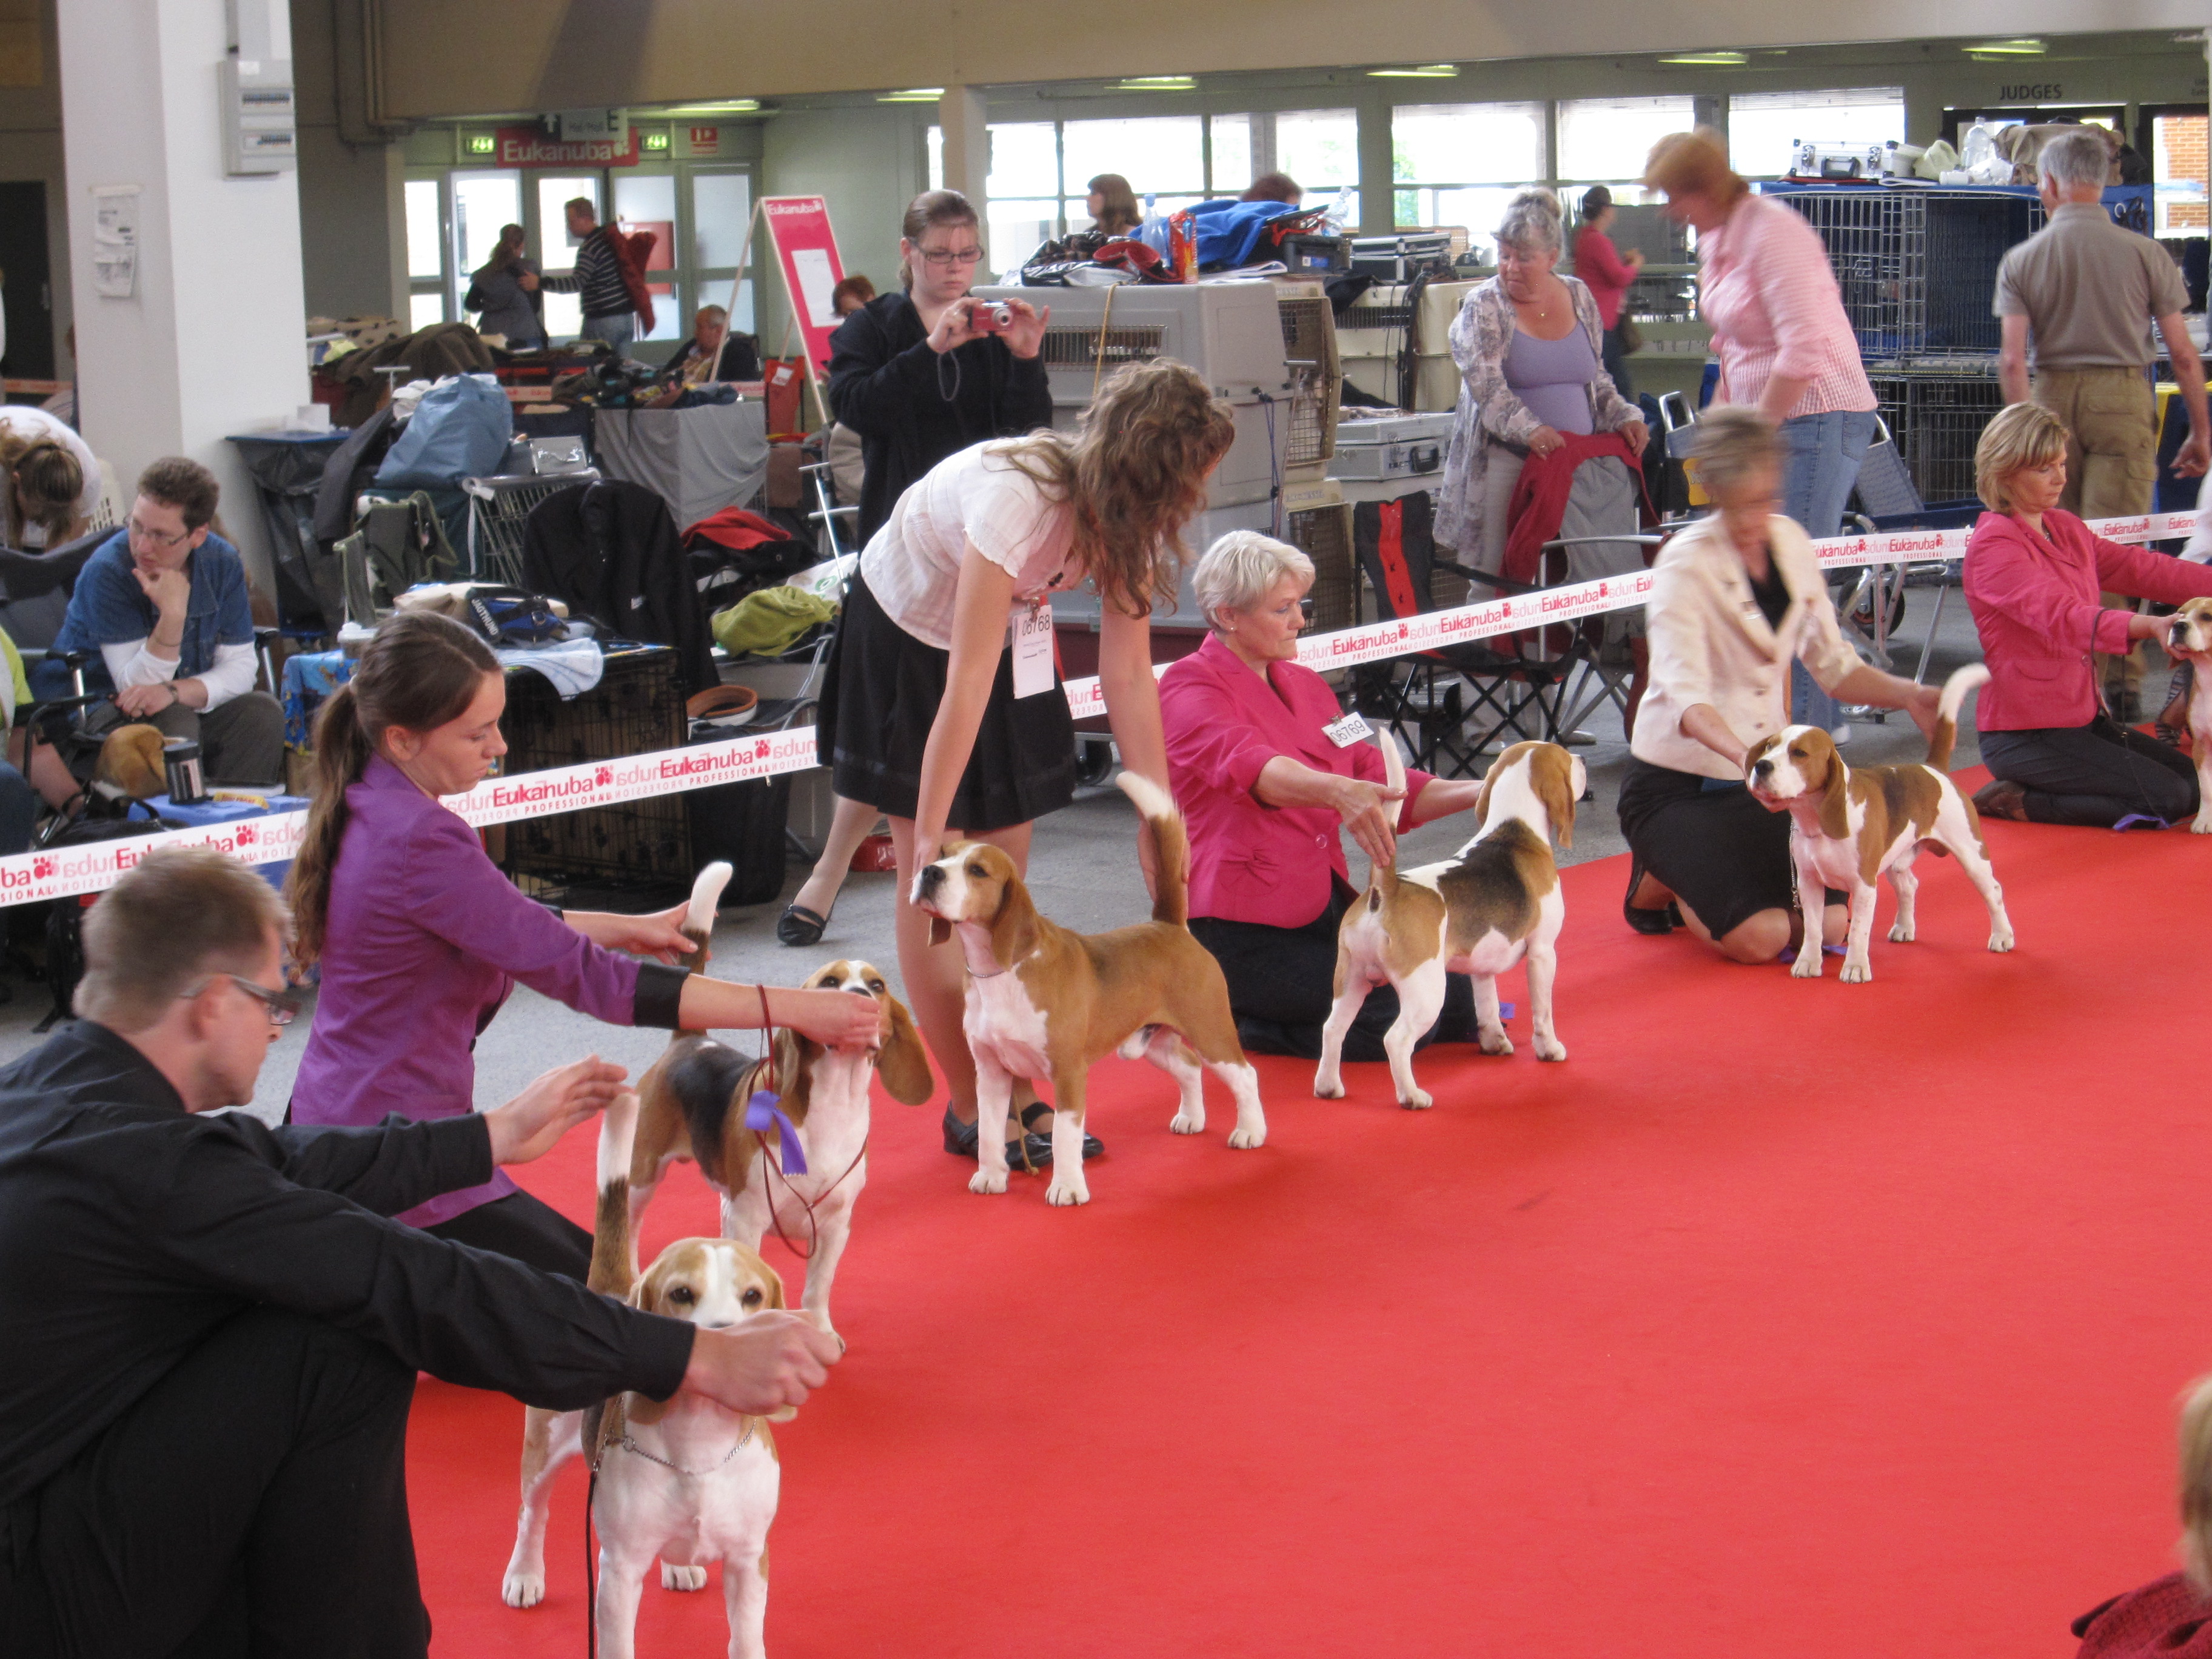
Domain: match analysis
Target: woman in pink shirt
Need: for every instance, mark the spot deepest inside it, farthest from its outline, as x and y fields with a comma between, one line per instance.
x=1609, y=275
x=1264, y=789
x=2034, y=578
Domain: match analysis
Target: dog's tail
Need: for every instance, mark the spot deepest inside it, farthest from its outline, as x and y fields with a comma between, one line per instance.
x=1383, y=878
x=611, y=1273
x=1157, y=809
x=699, y=915
x=2196, y=1483
x=1947, y=713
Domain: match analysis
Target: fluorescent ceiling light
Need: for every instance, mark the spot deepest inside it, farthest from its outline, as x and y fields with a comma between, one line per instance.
x=912, y=95
x=719, y=107
x=1416, y=72
x=1708, y=59
x=2021, y=48
x=1156, y=83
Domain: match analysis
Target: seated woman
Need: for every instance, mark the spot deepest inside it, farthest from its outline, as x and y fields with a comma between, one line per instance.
x=2033, y=578
x=1735, y=600
x=1265, y=790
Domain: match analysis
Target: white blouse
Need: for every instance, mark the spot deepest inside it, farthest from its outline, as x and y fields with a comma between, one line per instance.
x=912, y=565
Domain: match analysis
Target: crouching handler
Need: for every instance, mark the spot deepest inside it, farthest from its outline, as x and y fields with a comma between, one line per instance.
x=420, y=938
x=213, y=1327
x=1266, y=776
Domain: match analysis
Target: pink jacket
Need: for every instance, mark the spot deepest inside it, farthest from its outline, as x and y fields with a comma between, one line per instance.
x=1603, y=272
x=1769, y=293
x=1249, y=862
x=2036, y=606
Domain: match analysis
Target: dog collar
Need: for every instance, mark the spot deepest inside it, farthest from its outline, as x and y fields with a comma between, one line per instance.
x=630, y=1445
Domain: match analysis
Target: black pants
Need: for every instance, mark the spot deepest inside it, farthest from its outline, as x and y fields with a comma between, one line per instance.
x=2096, y=774
x=533, y=1232
x=1614, y=357
x=1281, y=984
x=253, y=1501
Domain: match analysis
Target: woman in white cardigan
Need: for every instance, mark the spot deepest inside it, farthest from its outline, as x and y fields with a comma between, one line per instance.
x=1735, y=600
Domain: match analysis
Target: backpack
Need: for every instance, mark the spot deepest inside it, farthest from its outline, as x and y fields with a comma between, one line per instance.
x=397, y=545
x=460, y=429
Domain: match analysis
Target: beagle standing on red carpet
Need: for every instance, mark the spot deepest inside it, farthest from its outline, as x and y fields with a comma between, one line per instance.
x=2189, y=636
x=1848, y=827
x=1047, y=1002
x=1495, y=902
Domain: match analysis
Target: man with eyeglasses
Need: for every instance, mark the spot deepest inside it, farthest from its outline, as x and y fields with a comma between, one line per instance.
x=212, y=1327
x=162, y=607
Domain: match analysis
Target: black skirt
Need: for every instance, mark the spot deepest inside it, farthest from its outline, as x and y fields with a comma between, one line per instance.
x=1725, y=856
x=879, y=699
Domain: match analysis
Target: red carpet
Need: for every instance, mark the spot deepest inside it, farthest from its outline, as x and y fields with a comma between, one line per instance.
x=1784, y=1318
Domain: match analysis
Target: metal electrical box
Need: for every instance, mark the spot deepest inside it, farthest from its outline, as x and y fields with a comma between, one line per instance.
x=260, y=116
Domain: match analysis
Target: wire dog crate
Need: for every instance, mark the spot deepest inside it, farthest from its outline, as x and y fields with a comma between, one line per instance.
x=1316, y=381
x=498, y=508
x=1936, y=419
x=1323, y=534
x=1918, y=268
x=637, y=707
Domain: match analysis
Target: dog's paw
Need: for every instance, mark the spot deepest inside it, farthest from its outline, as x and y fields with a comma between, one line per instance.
x=1550, y=1048
x=820, y=1320
x=523, y=1590
x=988, y=1181
x=1328, y=1085
x=1808, y=965
x=1242, y=1139
x=2202, y=823
x=1900, y=934
x=1420, y=1100
x=1068, y=1189
x=1496, y=1042
x=682, y=1579
x=1183, y=1123
x=2001, y=940
x=1856, y=973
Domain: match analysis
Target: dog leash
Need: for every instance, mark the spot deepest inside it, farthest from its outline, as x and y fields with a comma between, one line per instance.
x=763, y=1112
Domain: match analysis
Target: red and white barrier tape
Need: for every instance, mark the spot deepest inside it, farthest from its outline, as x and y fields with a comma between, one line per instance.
x=27, y=877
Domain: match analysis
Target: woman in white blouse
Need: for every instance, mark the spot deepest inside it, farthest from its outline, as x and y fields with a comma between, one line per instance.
x=1735, y=600
x=928, y=715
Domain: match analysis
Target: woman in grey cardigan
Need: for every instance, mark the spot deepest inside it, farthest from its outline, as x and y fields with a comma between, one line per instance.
x=1529, y=345
x=506, y=292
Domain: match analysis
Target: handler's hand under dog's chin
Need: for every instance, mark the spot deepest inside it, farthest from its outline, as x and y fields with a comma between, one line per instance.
x=770, y=1361
x=528, y=1125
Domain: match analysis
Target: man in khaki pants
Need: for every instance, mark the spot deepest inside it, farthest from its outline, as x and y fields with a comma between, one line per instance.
x=2088, y=290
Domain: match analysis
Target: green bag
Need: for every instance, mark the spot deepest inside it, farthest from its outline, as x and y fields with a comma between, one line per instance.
x=768, y=623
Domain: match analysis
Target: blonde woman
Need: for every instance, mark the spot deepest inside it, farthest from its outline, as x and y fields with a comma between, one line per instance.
x=922, y=717
x=52, y=481
x=2036, y=580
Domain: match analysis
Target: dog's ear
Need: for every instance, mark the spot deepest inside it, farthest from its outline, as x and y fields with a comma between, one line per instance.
x=1552, y=773
x=775, y=1284
x=1836, y=797
x=903, y=1064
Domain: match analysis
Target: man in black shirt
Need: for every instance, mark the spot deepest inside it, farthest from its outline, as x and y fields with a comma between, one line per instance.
x=213, y=1328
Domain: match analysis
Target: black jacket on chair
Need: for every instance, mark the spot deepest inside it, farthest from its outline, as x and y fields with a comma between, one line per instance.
x=609, y=551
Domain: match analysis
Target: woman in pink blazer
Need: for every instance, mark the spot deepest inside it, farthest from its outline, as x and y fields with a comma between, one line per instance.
x=1265, y=789
x=2034, y=575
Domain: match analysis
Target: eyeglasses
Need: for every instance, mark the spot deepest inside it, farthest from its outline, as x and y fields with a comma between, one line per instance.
x=140, y=533
x=944, y=257
x=277, y=1005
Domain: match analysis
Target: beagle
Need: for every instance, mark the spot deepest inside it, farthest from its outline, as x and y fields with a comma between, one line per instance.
x=1849, y=827
x=685, y=1479
x=1495, y=902
x=2189, y=636
x=1044, y=1001
x=693, y=1098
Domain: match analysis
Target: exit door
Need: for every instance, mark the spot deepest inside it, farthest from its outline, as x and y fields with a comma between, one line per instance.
x=26, y=282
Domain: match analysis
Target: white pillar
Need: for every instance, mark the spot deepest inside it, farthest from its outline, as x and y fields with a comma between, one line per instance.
x=963, y=123
x=213, y=340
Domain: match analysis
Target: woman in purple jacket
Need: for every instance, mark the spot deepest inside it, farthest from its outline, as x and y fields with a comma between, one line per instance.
x=420, y=938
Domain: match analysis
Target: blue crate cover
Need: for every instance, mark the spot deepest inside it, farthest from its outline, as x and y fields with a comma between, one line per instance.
x=461, y=429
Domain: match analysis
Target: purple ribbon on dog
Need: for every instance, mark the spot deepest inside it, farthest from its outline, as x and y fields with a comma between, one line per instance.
x=761, y=1111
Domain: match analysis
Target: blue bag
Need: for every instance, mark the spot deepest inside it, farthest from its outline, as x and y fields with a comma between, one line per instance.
x=461, y=429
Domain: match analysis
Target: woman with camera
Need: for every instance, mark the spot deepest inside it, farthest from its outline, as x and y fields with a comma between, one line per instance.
x=920, y=374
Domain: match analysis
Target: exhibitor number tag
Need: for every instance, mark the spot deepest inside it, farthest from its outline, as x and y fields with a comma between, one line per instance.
x=1353, y=728
x=1032, y=649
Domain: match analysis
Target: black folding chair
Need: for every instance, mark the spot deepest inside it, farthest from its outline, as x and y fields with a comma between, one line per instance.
x=1888, y=499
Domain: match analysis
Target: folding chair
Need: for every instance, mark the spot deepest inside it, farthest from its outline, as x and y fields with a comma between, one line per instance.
x=1888, y=499
x=1517, y=691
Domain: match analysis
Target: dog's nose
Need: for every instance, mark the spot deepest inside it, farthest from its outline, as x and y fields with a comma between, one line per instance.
x=857, y=990
x=932, y=878
x=1761, y=768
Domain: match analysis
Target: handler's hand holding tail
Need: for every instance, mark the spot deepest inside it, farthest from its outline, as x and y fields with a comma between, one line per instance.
x=528, y=1125
x=1369, y=812
x=772, y=1360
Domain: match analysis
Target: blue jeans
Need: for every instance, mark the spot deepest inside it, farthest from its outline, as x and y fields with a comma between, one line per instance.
x=1823, y=455
x=618, y=332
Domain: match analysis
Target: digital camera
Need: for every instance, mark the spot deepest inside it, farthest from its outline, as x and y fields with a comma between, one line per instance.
x=990, y=317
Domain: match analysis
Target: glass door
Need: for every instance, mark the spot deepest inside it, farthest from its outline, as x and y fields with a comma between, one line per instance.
x=556, y=248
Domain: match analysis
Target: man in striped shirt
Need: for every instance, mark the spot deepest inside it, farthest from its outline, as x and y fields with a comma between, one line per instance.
x=598, y=277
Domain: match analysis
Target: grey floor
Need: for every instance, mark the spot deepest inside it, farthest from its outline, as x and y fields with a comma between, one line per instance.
x=1083, y=871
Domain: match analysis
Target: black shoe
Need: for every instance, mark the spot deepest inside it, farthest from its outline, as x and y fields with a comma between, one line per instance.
x=799, y=925
x=1661, y=921
x=959, y=1138
x=1038, y=1147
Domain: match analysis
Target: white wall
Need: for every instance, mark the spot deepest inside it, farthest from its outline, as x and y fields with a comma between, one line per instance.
x=212, y=342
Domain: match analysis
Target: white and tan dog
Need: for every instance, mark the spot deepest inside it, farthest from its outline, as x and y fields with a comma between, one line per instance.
x=692, y=1107
x=1848, y=827
x=2189, y=636
x=1495, y=902
x=1047, y=1002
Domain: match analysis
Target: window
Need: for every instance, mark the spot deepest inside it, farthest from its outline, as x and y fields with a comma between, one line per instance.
x=564, y=313
x=1605, y=141
x=1231, y=136
x=484, y=204
x=425, y=252
x=1022, y=191
x=1459, y=164
x=1163, y=156
x=721, y=209
x=646, y=202
x=1766, y=127
x=1319, y=149
x=2177, y=174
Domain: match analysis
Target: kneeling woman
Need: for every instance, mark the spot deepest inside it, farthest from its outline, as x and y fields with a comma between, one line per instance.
x=420, y=938
x=2035, y=577
x=926, y=716
x=1734, y=598
x=1266, y=790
